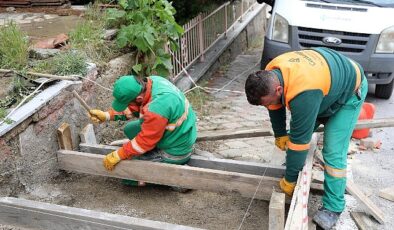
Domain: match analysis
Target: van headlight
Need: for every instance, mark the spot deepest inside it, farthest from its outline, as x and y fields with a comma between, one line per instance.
x=280, y=31
x=386, y=41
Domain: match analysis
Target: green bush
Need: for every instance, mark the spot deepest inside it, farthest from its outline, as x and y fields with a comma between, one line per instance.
x=13, y=47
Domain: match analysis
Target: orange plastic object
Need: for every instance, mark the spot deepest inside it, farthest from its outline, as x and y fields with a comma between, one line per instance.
x=367, y=112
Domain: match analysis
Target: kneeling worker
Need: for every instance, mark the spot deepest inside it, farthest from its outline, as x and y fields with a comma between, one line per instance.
x=166, y=129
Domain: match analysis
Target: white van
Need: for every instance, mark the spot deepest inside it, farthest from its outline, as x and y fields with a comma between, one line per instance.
x=361, y=30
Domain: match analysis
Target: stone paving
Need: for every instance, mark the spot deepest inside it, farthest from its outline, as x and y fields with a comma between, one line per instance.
x=232, y=111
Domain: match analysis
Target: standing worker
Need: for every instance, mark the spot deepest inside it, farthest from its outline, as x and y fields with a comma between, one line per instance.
x=166, y=129
x=318, y=86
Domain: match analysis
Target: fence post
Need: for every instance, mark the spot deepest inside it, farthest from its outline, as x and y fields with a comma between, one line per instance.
x=200, y=37
x=167, y=50
x=225, y=21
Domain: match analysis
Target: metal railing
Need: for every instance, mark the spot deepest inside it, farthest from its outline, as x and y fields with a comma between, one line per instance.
x=203, y=31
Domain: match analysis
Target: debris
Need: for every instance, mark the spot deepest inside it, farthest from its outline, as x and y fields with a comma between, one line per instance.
x=52, y=43
x=369, y=144
x=39, y=53
x=110, y=34
x=10, y=9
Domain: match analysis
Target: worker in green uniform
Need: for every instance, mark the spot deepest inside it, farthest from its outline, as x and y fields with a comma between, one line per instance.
x=165, y=130
x=318, y=86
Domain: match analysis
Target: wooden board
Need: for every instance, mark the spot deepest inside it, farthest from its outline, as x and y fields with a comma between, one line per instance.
x=276, y=218
x=38, y=215
x=362, y=221
x=233, y=134
x=87, y=135
x=387, y=193
x=209, y=163
x=64, y=137
x=371, y=207
x=297, y=217
x=215, y=163
x=172, y=175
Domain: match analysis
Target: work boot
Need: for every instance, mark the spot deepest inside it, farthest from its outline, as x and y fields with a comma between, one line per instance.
x=325, y=218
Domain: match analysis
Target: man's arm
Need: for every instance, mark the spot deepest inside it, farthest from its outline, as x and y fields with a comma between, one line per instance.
x=277, y=115
x=304, y=110
x=152, y=130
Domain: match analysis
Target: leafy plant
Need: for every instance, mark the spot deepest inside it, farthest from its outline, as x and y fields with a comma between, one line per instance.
x=13, y=47
x=147, y=25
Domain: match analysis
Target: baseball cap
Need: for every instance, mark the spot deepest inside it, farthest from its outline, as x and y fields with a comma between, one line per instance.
x=126, y=89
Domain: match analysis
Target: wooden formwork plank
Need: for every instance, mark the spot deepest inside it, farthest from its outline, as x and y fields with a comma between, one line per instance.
x=233, y=134
x=87, y=135
x=64, y=137
x=253, y=168
x=297, y=217
x=387, y=193
x=169, y=174
x=214, y=163
x=362, y=220
x=39, y=215
x=276, y=218
x=361, y=197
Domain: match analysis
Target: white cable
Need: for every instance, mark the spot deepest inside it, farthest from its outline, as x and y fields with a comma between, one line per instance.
x=251, y=201
x=96, y=83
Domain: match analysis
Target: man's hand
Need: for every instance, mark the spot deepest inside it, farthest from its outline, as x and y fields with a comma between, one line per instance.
x=287, y=187
x=111, y=159
x=98, y=116
x=281, y=142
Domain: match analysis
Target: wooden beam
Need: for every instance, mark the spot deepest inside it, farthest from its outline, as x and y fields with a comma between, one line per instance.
x=362, y=221
x=297, y=217
x=38, y=215
x=64, y=137
x=215, y=163
x=87, y=135
x=371, y=207
x=172, y=175
x=387, y=193
x=233, y=134
x=253, y=168
x=276, y=218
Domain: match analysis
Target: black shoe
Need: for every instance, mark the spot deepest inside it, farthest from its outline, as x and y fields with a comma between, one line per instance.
x=325, y=218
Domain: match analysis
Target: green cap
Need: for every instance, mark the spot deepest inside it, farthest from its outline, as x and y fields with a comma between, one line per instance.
x=126, y=89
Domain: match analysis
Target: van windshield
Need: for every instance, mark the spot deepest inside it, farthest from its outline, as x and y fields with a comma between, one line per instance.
x=378, y=3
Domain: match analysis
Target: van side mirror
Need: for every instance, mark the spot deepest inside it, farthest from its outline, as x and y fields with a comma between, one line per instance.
x=268, y=2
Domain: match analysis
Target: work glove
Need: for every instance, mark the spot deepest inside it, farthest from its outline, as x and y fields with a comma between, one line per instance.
x=98, y=116
x=287, y=187
x=111, y=159
x=281, y=142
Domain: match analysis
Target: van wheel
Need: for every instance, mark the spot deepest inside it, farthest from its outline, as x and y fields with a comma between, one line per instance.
x=384, y=91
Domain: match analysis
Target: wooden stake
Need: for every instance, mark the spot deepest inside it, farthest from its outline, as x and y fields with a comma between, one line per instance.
x=276, y=211
x=64, y=137
x=83, y=103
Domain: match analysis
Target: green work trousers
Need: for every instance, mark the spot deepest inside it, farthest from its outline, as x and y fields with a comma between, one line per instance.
x=337, y=134
x=133, y=128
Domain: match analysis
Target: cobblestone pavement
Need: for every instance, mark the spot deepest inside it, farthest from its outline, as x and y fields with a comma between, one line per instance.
x=231, y=111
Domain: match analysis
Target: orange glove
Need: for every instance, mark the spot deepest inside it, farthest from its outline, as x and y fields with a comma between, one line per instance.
x=98, y=116
x=111, y=159
x=287, y=187
x=281, y=142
